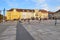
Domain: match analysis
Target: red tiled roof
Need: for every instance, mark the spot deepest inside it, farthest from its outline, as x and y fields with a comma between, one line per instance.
x=22, y=10
x=57, y=11
x=43, y=11
x=19, y=10
x=51, y=12
x=10, y=10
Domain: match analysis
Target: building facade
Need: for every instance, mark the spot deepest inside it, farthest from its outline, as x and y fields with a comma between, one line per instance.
x=43, y=14
x=19, y=14
x=57, y=14
x=51, y=15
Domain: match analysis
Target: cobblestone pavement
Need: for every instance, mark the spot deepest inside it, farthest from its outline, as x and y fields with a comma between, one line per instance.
x=39, y=30
x=45, y=30
x=22, y=33
x=10, y=32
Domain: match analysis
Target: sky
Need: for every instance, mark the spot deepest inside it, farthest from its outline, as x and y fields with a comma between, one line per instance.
x=49, y=5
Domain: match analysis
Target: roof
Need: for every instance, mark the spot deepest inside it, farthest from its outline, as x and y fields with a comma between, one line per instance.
x=43, y=10
x=51, y=12
x=10, y=10
x=22, y=10
x=57, y=11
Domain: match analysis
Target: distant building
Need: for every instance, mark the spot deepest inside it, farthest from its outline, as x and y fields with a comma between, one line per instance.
x=19, y=14
x=51, y=15
x=57, y=14
x=13, y=14
x=43, y=14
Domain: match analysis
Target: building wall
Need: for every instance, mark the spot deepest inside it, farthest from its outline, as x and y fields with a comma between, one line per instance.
x=57, y=15
x=26, y=15
x=42, y=15
x=8, y=15
x=11, y=15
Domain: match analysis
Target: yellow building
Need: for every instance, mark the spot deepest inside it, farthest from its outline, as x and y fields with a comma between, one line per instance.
x=27, y=14
x=19, y=14
x=13, y=14
x=43, y=14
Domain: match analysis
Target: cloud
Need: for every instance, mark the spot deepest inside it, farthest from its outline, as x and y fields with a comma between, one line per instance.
x=27, y=0
x=55, y=8
x=12, y=3
x=14, y=0
x=58, y=7
x=42, y=4
x=45, y=6
x=38, y=1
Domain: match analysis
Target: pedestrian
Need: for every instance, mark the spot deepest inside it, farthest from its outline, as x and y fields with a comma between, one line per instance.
x=55, y=21
x=20, y=21
x=39, y=19
x=29, y=21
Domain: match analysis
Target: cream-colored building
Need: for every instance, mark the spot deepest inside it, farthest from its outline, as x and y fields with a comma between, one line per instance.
x=19, y=14
x=43, y=14
x=12, y=14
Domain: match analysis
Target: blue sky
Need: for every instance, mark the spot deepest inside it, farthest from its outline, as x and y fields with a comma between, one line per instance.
x=50, y=5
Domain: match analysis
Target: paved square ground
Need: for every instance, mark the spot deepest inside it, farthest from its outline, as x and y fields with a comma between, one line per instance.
x=8, y=31
x=45, y=30
x=39, y=30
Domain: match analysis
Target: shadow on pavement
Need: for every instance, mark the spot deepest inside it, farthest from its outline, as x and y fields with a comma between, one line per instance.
x=22, y=33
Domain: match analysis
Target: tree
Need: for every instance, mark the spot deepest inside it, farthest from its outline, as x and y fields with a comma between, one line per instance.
x=1, y=17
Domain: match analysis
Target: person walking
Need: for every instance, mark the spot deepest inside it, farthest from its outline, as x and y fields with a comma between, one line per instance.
x=39, y=19
x=55, y=21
